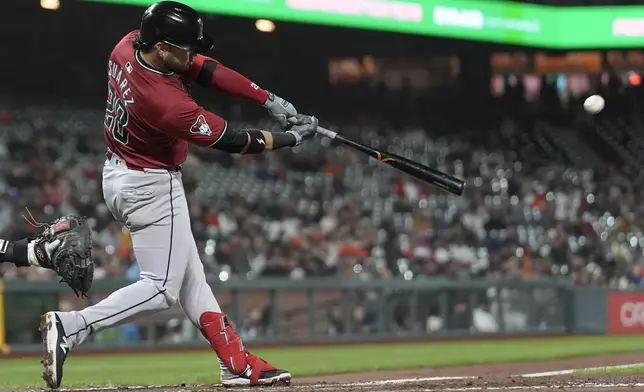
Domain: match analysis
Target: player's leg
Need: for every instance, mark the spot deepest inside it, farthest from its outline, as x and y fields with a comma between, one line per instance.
x=156, y=290
x=147, y=203
x=238, y=366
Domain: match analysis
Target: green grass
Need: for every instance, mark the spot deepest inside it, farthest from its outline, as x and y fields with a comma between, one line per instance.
x=611, y=372
x=201, y=367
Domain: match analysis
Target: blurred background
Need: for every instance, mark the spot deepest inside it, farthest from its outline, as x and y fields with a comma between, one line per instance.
x=320, y=242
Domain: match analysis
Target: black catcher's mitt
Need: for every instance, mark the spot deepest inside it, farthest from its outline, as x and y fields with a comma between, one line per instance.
x=72, y=259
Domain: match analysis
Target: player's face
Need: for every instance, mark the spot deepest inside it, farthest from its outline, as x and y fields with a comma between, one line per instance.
x=176, y=59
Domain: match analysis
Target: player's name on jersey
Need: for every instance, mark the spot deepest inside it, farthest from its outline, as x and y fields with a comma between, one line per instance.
x=115, y=71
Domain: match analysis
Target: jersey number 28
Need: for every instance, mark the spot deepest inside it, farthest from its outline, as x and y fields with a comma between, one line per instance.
x=116, y=116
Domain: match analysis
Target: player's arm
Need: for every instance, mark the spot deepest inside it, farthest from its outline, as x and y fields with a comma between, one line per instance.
x=189, y=121
x=210, y=73
x=15, y=252
x=256, y=141
x=26, y=252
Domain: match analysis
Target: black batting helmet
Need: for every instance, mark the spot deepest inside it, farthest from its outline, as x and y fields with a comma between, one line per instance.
x=176, y=24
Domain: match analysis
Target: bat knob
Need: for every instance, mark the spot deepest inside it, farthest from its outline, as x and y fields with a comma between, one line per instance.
x=462, y=188
x=459, y=188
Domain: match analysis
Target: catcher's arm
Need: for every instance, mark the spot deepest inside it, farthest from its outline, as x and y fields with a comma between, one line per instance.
x=15, y=252
x=22, y=252
x=63, y=246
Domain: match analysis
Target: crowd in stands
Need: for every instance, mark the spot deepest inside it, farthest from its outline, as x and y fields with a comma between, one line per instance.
x=531, y=209
x=536, y=205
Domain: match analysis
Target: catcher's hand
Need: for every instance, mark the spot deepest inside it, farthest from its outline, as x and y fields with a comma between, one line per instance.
x=65, y=246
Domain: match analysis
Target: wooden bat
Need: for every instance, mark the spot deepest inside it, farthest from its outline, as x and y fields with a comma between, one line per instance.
x=414, y=169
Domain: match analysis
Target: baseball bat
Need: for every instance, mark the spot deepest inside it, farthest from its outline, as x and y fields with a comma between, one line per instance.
x=414, y=169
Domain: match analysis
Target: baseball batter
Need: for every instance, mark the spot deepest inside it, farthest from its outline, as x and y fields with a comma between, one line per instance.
x=149, y=122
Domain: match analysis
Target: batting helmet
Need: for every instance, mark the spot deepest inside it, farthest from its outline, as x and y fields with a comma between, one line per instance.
x=175, y=24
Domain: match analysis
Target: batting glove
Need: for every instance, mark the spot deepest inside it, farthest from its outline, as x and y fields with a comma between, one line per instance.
x=306, y=128
x=282, y=110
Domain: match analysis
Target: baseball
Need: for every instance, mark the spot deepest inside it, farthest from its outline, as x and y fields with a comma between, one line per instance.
x=594, y=104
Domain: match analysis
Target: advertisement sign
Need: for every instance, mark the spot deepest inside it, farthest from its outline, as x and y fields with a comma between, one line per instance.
x=479, y=20
x=626, y=312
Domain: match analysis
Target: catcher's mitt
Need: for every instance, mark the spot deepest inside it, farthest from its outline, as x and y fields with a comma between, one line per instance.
x=72, y=259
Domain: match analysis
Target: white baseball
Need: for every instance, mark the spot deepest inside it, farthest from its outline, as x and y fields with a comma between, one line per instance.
x=594, y=104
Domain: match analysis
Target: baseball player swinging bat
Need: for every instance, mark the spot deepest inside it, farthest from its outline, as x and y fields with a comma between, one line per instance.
x=150, y=120
x=422, y=172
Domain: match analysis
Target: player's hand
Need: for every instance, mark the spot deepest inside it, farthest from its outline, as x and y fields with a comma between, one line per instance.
x=40, y=251
x=306, y=128
x=282, y=110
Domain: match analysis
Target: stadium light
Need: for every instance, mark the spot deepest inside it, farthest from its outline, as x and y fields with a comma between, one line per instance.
x=265, y=26
x=50, y=4
x=634, y=78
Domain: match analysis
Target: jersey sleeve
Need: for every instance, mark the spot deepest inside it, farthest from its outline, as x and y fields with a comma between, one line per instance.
x=202, y=69
x=188, y=121
x=210, y=73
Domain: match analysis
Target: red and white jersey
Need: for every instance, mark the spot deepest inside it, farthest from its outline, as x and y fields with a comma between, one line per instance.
x=150, y=116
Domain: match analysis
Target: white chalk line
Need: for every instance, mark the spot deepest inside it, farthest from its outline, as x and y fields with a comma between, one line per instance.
x=527, y=375
x=571, y=371
x=395, y=382
x=532, y=388
x=492, y=388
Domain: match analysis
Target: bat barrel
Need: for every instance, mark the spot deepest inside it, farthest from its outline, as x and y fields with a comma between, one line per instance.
x=414, y=169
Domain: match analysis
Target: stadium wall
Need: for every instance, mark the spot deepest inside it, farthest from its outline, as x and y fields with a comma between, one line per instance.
x=300, y=312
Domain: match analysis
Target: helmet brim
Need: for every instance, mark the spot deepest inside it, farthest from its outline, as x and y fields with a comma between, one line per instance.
x=203, y=45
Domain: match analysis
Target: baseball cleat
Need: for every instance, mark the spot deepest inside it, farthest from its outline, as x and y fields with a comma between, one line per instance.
x=257, y=373
x=238, y=366
x=55, y=349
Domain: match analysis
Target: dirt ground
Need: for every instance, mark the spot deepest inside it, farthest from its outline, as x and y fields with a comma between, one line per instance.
x=492, y=377
x=507, y=377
